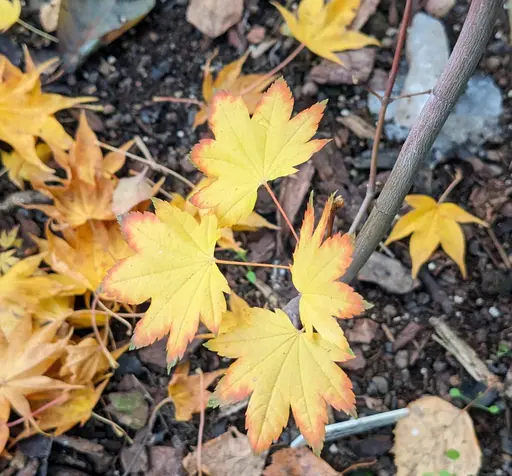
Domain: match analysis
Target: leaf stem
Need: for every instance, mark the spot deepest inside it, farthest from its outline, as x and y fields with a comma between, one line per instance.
x=115, y=427
x=116, y=316
x=385, y=101
x=249, y=263
x=201, y=423
x=455, y=182
x=196, y=102
x=153, y=165
x=57, y=401
x=112, y=362
x=37, y=31
x=281, y=210
x=273, y=71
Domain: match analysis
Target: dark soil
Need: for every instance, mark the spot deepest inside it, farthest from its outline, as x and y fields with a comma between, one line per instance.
x=164, y=55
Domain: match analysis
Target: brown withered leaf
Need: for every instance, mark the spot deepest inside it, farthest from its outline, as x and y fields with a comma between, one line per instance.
x=185, y=391
x=214, y=17
x=298, y=462
x=87, y=192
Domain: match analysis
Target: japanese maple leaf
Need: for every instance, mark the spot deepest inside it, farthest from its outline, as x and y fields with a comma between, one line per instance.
x=86, y=253
x=281, y=367
x=250, y=151
x=324, y=28
x=29, y=354
x=9, y=13
x=174, y=266
x=432, y=224
x=88, y=190
x=230, y=79
x=184, y=389
x=318, y=263
x=26, y=113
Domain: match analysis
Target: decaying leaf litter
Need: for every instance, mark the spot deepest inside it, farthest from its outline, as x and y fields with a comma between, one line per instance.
x=364, y=378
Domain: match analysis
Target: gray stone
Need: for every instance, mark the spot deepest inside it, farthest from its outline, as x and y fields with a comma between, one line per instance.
x=402, y=359
x=389, y=311
x=381, y=384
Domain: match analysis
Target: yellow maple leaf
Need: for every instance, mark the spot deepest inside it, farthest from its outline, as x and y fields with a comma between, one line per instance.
x=84, y=361
x=19, y=170
x=227, y=240
x=250, y=151
x=281, y=367
x=9, y=239
x=87, y=192
x=23, y=287
x=324, y=28
x=175, y=267
x=318, y=263
x=29, y=355
x=432, y=224
x=231, y=318
x=230, y=79
x=184, y=389
x=7, y=260
x=10, y=11
x=86, y=253
x=26, y=113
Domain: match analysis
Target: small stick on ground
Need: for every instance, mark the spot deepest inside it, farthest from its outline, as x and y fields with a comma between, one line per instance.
x=201, y=424
x=250, y=263
x=499, y=248
x=195, y=102
x=362, y=464
x=385, y=101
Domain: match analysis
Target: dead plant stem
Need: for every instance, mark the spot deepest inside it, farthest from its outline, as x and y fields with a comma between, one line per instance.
x=281, y=210
x=201, y=424
x=252, y=264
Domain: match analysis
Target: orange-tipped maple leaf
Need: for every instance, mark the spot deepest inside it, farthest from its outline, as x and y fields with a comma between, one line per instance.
x=433, y=224
x=324, y=28
x=87, y=192
x=249, y=151
x=85, y=254
x=184, y=389
x=230, y=79
x=26, y=113
x=281, y=367
x=318, y=263
x=26, y=356
x=174, y=266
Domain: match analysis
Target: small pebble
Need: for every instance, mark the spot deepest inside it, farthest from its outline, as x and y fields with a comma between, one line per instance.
x=402, y=359
x=494, y=312
x=389, y=311
x=479, y=302
x=333, y=449
x=381, y=384
x=458, y=299
x=439, y=366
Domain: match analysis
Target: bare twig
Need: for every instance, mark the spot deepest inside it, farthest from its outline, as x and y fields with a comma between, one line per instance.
x=463, y=60
x=195, y=102
x=385, y=101
x=201, y=424
x=499, y=248
x=409, y=95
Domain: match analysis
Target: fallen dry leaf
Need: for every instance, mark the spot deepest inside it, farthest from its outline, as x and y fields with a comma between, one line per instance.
x=129, y=192
x=49, y=15
x=184, y=389
x=324, y=28
x=174, y=266
x=229, y=454
x=363, y=332
x=230, y=78
x=317, y=266
x=165, y=461
x=214, y=17
x=366, y=9
x=87, y=192
x=250, y=151
x=298, y=462
x=86, y=253
x=27, y=112
x=29, y=354
x=432, y=428
x=281, y=367
x=439, y=8
x=9, y=13
x=433, y=224
x=357, y=67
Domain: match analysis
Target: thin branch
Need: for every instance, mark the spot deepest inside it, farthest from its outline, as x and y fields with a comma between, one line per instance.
x=281, y=210
x=499, y=248
x=465, y=56
x=385, y=101
x=273, y=71
x=409, y=95
x=37, y=31
x=153, y=165
x=250, y=263
x=195, y=102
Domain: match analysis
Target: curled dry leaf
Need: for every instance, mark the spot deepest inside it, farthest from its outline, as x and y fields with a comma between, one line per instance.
x=214, y=17
x=433, y=428
x=229, y=454
x=184, y=389
x=324, y=28
x=281, y=367
x=298, y=462
x=250, y=151
x=87, y=192
x=433, y=224
x=130, y=191
x=173, y=265
x=317, y=266
x=230, y=79
x=26, y=113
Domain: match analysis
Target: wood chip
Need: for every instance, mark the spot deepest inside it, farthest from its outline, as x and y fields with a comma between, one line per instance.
x=358, y=126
